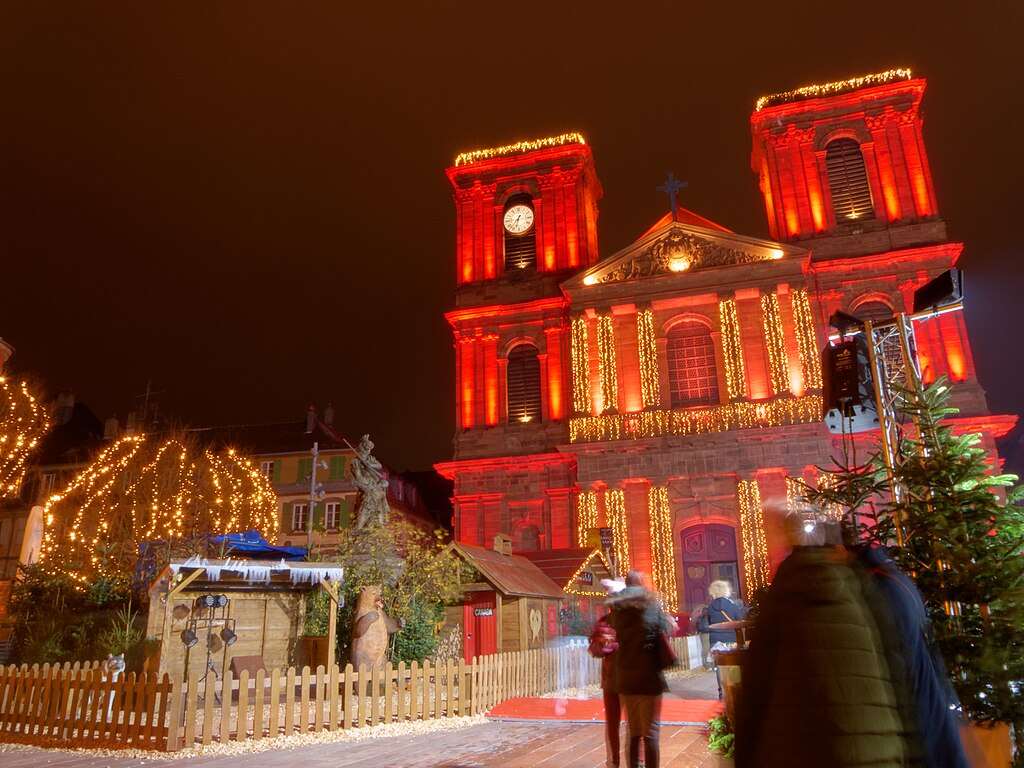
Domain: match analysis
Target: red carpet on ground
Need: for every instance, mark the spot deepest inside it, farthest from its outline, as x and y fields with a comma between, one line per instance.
x=673, y=711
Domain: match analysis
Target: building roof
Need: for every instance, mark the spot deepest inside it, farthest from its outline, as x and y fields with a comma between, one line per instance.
x=567, y=568
x=511, y=575
x=283, y=437
x=684, y=217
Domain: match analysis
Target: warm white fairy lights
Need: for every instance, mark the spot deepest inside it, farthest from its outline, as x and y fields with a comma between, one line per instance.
x=606, y=360
x=663, y=553
x=23, y=421
x=647, y=345
x=827, y=89
x=778, y=365
x=828, y=481
x=781, y=412
x=810, y=364
x=615, y=509
x=574, y=588
x=755, y=545
x=519, y=147
x=732, y=348
x=586, y=516
x=145, y=489
x=580, y=366
x=794, y=495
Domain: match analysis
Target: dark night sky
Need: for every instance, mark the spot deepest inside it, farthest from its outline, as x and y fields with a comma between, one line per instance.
x=246, y=203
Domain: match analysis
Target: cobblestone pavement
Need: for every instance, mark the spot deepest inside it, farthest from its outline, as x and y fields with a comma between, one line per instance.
x=537, y=745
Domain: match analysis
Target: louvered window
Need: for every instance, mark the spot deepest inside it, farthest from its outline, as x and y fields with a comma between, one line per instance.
x=692, y=373
x=523, y=375
x=520, y=250
x=851, y=195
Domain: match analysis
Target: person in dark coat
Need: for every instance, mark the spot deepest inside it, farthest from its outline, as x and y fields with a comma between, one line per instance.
x=637, y=619
x=603, y=646
x=899, y=609
x=816, y=689
x=720, y=610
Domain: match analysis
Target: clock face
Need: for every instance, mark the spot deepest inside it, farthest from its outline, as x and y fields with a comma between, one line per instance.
x=518, y=219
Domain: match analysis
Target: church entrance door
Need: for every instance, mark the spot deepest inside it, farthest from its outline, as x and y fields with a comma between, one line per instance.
x=709, y=554
x=480, y=625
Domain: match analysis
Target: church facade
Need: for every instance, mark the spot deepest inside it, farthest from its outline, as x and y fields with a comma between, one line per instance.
x=670, y=393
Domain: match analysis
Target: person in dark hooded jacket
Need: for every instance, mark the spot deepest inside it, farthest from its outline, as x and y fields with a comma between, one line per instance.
x=637, y=675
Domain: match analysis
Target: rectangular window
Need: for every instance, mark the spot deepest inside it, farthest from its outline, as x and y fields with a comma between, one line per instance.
x=300, y=515
x=46, y=485
x=332, y=515
x=267, y=470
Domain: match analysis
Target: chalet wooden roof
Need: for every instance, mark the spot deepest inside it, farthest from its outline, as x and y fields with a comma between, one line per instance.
x=512, y=575
x=566, y=567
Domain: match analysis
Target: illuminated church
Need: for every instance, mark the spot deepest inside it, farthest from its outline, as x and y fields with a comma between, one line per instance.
x=670, y=392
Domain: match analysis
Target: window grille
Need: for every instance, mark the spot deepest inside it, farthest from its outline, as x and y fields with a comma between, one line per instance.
x=523, y=376
x=332, y=515
x=692, y=372
x=300, y=515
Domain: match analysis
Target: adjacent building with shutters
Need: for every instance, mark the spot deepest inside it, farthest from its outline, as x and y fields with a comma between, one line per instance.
x=670, y=393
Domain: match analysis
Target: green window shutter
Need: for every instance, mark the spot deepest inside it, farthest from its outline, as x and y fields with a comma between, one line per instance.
x=337, y=470
x=286, y=522
x=277, y=471
x=305, y=467
x=345, y=513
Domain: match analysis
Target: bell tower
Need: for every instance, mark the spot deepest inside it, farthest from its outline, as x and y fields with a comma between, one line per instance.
x=844, y=165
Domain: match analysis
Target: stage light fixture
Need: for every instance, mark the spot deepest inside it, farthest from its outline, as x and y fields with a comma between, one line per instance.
x=228, y=636
x=206, y=601
x=189, y=637
x=222, y=600
x=845, y=323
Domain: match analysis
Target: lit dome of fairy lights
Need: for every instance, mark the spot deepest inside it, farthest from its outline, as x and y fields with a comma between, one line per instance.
x=23, y=421
x=152, y=488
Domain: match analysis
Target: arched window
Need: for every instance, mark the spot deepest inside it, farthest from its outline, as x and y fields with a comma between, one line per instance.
x=517, y=223
x=523, y=377
x=692, y=373
x=527, y=539
x=873, y=310
x=851, y=195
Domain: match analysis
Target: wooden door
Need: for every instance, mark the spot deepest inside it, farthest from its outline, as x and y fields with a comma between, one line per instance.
x=709, y=554
x=479, y=625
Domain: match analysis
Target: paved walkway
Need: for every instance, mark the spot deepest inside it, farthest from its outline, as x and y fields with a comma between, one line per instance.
x=492, y=743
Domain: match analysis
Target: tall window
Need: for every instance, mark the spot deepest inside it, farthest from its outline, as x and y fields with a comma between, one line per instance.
x=873, y=310
x=692, y=373
x=267, y=469
x=520, y=234
x=527, y=539
x=46, y=485
x=300, y=515
x=332, y=515
x=851, y=195
x=523, y=376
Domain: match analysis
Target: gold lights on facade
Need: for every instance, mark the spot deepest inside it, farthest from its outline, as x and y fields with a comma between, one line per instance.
x=755, y=545
x=581, y=402
x=732, y=347
x=650, y=392
x=778, y=364
x=663, y=555
x=586, y=516
x=519, y=147
x=810, y=364
x=606, y=360
x=828, y=89
x=615, y=509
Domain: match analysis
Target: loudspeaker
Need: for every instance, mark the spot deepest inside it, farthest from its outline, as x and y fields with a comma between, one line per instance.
x=941, y=291
x=848, y=389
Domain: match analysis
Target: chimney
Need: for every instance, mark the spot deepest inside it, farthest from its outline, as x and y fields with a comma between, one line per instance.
x=65, y=406
x=111, y=429
x=329, y=415
x=503, y=544
x=310, y=419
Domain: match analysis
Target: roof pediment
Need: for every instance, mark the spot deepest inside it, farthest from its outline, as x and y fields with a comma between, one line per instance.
x=681, y=248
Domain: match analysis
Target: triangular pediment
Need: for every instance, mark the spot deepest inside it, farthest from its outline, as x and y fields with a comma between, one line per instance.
x=678, y=249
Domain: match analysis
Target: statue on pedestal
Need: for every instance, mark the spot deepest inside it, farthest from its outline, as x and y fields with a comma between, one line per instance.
x=367, y=475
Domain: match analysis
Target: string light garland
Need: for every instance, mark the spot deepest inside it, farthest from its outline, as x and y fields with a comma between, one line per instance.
x=794, y=495
x=650, y=392
x=778, y=365
x=828, y=481
x=606, y=360
x=586, y=516
x=732, y=347
x=810, y=364
x=580, y=366
x=782, y=412
x=755, y=545
x=571, y=587
x=519, y=147
x=23, y=422
x=615, y=509
x=828, y=89
x=663, y=553
x=141, y=489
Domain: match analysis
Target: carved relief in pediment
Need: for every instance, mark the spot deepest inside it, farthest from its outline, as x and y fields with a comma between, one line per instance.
x=678, y=252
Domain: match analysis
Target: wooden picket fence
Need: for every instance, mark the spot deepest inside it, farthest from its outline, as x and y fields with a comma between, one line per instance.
x=75, y=705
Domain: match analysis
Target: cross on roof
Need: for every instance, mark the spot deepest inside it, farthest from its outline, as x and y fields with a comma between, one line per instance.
x=671, y=188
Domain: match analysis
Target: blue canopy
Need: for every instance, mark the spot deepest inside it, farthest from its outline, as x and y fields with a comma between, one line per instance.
x=252, y=544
